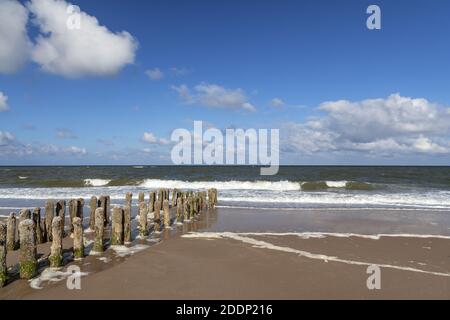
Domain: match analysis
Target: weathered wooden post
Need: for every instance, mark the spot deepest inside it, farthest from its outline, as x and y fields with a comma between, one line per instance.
x=78, y=244
x=141, y=198
x=56, y=257
x=11, y=243
x=3, y=250
x=174, y=197
x=49, y=214
x=117, y=226
x=27, y=256
x=179, y=210
x=73, y=203
x=160, y=197
x=127, y=217
x=92, y=207
x=191, y=207
x=60, y=212
x=186, y=208
x=99, y=230
x=37, y=225
x=166, y=211
x=127, y=223
x=151, y=202
x=80, y=209
x=143, y=210
x=104, y=202
x=157, y=217
x=108, y=210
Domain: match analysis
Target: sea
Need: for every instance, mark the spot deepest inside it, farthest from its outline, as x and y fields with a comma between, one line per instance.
x=240, y=186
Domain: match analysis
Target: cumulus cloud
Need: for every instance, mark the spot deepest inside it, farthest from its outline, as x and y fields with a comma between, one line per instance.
x=91, y=50
x=150, y=138
x=395, y=124
x=276, y=102
x=14, y=42
x=214, y=96
x=155, y=74
x=75, y=151
x=3, y=102
x=6, y=138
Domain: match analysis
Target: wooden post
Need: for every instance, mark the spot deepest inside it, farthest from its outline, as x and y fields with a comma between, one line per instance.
x=56, y=257
x=117, y=226
x=127, y=217
x=143, y=210
x=186, y=209
x=60, y=212
x=191, y=207
x=160, y=196
x=108, y=210
x=80, y=209
x=27, y=256
x=127, y=223
x=99, y=230
x=157, y=217
x=78, y=244
x=166, y=211
x=92, y=207
x=11, y=243
x=72, y=212
x=141, y=198
x=151, y=203
x=49, y=214
x=3, y=250
x=104, y=203
x=37, y=225
x=179, y=210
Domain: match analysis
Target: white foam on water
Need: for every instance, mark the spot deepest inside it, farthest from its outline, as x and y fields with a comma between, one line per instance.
x=123, y=251
x=325, y=258
x=96, y=182
x=222, y=185
x=336, y=184
x=51, y=275
x=104, y=259
x=23, y=178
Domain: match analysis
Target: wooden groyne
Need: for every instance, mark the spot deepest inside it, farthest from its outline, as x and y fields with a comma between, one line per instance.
x=28, y=229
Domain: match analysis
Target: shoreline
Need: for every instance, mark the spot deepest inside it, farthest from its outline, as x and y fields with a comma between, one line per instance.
x=195, y=261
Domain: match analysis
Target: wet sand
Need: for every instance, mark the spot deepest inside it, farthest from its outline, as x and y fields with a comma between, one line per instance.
x=210, y=259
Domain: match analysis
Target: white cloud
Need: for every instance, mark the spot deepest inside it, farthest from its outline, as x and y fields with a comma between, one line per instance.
x=276, y=102
x=3, y=102
x=91, y=50
x=150, y=138
x=76, y=151
x=395, y=124
x=155, y=74
x=14, y=42
x=6, y=138
x=215, y=96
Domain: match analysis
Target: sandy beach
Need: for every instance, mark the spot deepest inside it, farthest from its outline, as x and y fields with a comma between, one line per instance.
x=200, y=260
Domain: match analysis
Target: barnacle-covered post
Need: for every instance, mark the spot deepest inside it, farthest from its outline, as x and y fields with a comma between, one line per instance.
x=99, y=230
x=11, y=243
x=117, y=226
x=27, y=256
x=3, y=250
x=78, y=243
x=143, y=210
x=56, y=258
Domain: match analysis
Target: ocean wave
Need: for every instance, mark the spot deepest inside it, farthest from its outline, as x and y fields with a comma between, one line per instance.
x=222, y=185
x=348, y=185
x=96, y=182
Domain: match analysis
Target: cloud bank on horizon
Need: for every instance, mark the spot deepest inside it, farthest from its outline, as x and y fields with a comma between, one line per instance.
x=35, y=42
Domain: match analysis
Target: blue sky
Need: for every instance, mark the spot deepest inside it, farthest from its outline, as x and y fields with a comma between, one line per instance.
x=338, y=92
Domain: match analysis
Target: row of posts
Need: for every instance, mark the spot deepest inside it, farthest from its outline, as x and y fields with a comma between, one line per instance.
x=33, y=230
